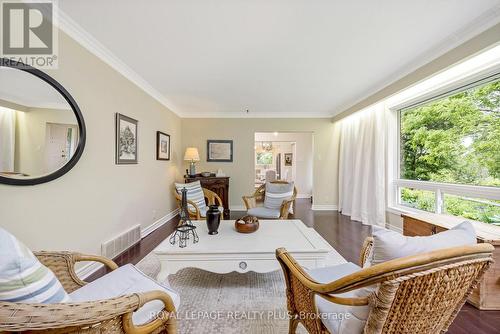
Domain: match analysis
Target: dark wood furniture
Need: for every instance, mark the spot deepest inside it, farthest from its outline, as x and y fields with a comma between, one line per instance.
x=487, y=294
x=219, y=185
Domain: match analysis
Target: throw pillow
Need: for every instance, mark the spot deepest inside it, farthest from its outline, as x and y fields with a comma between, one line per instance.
x=389, y=245
x=276, y=193
x=194, y=193
x=23, y=279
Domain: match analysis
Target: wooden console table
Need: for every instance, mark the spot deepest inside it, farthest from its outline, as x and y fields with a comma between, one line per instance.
x=219, y=185
x=487, y=294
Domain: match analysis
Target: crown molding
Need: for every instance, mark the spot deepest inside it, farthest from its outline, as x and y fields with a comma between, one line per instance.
x=254, y=115
x=80, y=35
x=479, y=25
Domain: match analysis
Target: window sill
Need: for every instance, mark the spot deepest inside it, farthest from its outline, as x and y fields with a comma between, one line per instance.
x=486, y=232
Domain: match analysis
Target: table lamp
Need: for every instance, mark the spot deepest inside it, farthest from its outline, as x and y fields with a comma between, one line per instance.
x=191, y=155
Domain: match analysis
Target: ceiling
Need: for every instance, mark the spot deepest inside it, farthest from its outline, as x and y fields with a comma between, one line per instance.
x=27, y=90
x=276, y=58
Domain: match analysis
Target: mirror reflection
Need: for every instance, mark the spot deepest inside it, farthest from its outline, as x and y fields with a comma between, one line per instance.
x=38, y=129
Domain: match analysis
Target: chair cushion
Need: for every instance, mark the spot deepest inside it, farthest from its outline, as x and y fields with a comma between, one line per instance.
x=194, y=193
x=124, y=281
x=338, y=318
x=276, y=193
x=23, y=278
x=203, y=211
x=389, y=245
x=262, y=212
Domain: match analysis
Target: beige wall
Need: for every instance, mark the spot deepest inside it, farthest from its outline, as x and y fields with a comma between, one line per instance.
x=31, y=126
x=195, y=132
x=97, y=199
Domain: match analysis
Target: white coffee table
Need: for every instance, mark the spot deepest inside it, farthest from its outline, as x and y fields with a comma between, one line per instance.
x=230, y=251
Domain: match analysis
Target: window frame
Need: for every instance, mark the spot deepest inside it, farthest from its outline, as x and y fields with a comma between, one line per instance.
x=439, y=188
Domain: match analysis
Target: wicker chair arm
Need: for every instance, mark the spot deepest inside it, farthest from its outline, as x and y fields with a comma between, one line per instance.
x=365, y=251
x=285, y=208
x=95, y=258
x=34, y=316
x=167, y=317
x=311, y=285
x=213, y=198
x=250, y=201
x=384, y=271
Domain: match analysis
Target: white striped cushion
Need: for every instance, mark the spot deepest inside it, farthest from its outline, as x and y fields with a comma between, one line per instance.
x=276, y=193
x=23, y=279
x=194, y=193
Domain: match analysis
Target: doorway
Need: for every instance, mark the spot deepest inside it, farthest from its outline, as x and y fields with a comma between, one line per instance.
x=60, y=144
x=285, y=156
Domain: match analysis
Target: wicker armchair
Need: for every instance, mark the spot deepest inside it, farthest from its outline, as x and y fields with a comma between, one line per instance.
x=259, y=195
x=416, y=294
x=103, y=316
x=211, y=198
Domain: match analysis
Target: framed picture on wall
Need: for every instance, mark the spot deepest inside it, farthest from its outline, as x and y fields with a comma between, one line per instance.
x=219, y=150
x=126, y=140
x=288, y=159
x=162, y=146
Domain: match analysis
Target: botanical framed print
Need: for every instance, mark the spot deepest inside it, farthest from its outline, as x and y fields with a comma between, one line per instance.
x=126, y=140
x=288, y=159
x=219, y=150
x=162, y=146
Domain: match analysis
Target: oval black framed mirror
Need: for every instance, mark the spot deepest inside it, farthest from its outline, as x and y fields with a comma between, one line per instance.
x=42, y=131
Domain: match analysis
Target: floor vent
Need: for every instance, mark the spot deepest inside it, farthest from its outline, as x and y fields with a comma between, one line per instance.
x=115, y=246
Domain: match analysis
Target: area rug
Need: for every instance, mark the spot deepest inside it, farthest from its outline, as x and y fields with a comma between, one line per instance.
x=227, y=303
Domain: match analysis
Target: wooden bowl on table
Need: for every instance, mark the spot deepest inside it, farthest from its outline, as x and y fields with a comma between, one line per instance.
x=246, y=224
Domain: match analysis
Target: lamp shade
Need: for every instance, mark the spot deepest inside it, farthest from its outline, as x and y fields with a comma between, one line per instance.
x=191, y=154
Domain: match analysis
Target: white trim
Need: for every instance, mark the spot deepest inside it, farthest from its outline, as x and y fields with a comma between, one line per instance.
x=160, y=222
x=476, y=27
x=237, y=208
x=394, y=228
x=453, y=87
x=304, y=195
x=324, y=207
x=450, y=188
x=76, y=32
x=90, y=268
x=251, y=114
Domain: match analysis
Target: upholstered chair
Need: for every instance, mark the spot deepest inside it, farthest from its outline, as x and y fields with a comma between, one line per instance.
x=276, y=205
x=198, y=199
x=143, y=307
x=414, y=294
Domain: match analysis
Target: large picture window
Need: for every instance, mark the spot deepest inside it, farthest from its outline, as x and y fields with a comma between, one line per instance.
x=450, y=154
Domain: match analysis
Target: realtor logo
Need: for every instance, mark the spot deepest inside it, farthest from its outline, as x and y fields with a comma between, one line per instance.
x=28, y=32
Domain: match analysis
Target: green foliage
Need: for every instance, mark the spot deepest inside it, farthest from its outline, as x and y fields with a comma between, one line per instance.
x=455, y=139
x=264, y=158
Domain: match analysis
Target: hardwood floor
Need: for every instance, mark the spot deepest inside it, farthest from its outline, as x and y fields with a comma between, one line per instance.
x=346, y=236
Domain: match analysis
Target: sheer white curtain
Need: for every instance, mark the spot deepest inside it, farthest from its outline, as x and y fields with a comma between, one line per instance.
x=7, y=139
x=362, y=165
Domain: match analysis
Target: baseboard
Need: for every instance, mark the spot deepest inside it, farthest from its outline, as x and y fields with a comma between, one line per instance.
x=151, y=228
x=304, y=195
x=90, y=268
x=324, y=207
x=394, y=228
x=237, y=208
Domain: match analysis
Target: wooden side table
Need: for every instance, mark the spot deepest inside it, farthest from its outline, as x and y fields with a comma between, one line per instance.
x=219, y=185
x=486, y=296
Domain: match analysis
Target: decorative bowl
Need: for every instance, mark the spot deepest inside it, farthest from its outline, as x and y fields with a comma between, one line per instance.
x=206, y=174
x=246, y=224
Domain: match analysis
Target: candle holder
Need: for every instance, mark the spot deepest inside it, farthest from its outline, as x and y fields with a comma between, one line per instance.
x=185, y=230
